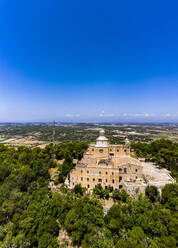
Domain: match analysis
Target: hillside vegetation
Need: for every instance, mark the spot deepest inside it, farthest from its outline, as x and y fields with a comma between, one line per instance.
x=31, y=215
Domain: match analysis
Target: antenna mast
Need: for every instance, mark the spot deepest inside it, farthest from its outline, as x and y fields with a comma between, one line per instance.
x=53, y=140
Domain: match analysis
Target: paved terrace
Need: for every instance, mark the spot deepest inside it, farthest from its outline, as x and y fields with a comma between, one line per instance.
x=155, y=175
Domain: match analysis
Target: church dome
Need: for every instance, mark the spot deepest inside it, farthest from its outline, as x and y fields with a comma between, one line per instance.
x=102, y=138
x=102, y=141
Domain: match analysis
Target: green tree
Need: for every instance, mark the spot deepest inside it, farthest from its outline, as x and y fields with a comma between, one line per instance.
x=78, y=189
x=152, y=193
x=100, y=192
x=47, y=241
x=169, y=196
x=135, y=238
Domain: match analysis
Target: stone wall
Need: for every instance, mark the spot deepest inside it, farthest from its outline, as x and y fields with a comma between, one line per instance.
x=91, y=176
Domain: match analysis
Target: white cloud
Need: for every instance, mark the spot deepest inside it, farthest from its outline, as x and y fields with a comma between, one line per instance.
x=72, y=115
x=103, y=114
x=171, y=115
x=143, y=115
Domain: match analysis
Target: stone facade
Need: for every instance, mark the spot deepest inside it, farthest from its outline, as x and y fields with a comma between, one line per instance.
x=106, y=164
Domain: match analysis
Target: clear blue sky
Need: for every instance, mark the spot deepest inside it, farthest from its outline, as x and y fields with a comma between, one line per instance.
x=77, y=60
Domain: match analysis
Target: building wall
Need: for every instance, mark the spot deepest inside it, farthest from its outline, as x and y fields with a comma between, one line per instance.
x=130, y=172
x=106, y=175
x=111, y=150
x=134, y=189
x=89, y=177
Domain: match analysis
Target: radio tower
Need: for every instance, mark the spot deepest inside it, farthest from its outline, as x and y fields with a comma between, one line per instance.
x=53, y=140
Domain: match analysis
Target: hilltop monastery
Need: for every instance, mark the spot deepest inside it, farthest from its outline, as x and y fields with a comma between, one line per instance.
x=116, y=166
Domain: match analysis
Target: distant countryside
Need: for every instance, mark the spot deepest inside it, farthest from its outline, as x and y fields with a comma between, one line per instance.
x=40, y=134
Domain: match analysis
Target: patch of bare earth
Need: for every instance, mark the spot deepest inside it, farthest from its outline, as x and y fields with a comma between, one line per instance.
x=64, y=239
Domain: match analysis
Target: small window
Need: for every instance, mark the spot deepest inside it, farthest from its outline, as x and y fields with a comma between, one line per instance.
x=87, y=179
x=81, y=171
x=100, y=172
x=117, y=150
x=136, y=170
x=106, y=187
x=112, y=173
x=93, y=179
x=120, y=179
x=99, y=180
x=120, y=169
x=110, y=149
x=87, y=171
x=136, y=177
x=106, y=173
x=101, y=150
x=125, y=170
x=120, y=186
x=92, y=150
x=113, y=181
x=81, y=178
x=88, y=186
x=106, y=180
x=125, y=150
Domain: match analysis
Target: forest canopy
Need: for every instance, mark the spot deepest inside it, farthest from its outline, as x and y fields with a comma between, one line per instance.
x=31, y=215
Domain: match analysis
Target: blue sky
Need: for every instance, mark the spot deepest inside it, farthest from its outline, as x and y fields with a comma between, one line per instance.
x=88, y=60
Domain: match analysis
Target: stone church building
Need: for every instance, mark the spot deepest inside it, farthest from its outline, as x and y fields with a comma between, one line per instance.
x=108, y=165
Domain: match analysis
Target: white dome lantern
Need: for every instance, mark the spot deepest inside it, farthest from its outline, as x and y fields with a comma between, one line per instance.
x=102, y=141
x=127, y=142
